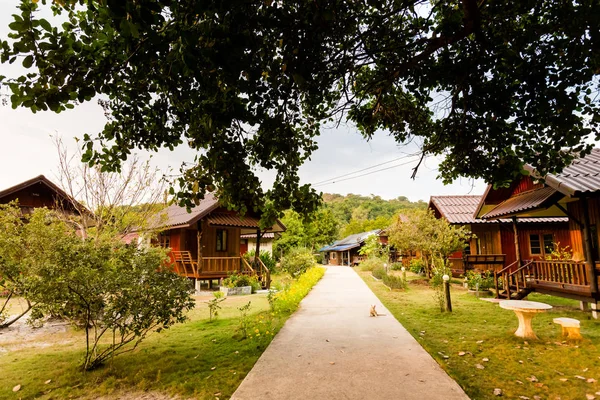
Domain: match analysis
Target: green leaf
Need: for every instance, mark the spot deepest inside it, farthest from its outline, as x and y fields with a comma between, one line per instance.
x=28, y=61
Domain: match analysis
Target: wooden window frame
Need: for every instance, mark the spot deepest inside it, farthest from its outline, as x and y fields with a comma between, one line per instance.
x=333, y=255
x=540, y=242
x=164, y=240
x=223, y=233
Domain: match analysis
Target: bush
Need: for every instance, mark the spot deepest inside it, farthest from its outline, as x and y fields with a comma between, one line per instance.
x=265, y=257
x=371, y=263
x=484, y=279
x=417, y=266
x=297, y=261
x=378, y=272
x=239, y=280
x=394, y=282
x=288, y=299
x=319, y=258
x=397, y=266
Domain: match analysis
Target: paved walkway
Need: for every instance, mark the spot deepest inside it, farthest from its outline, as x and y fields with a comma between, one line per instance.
x=331, y=349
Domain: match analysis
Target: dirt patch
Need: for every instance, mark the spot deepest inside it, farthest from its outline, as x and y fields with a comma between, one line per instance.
x=21, y=335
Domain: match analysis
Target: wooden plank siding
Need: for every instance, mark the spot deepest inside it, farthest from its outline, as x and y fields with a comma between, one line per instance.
x=560, y=231
x=575, y=230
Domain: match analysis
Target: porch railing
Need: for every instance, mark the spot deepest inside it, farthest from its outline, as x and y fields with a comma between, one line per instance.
x=220, y=264
x=566, y=272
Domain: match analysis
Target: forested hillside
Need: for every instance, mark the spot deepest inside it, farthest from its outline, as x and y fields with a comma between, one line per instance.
x=355, y=213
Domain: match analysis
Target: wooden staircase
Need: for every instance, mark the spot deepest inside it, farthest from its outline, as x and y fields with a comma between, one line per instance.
x=259, y=269
x=513, y=285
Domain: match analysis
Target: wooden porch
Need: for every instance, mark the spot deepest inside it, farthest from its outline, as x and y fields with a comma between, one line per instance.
x=559, y=278
x=216, y=268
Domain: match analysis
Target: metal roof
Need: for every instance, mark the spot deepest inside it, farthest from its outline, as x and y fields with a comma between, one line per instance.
x=222, y=219
x=267, y=235
x=582, y=176
x=352, y=240
x=176, y=216
x=457, y=209
x=461, y=209
x=532, y=199
x=41, y=179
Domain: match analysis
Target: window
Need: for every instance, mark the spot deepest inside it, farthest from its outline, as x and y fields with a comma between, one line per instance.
x=535, y=246
x=164, y=240
x=548, y=243
x=467, y=250
x=333, y=256
x=221, y=240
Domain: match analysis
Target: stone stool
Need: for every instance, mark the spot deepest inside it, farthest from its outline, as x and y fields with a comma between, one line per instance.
x=570, y=327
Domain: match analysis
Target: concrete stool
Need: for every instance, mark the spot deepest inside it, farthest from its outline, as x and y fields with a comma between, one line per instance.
x=570, y=327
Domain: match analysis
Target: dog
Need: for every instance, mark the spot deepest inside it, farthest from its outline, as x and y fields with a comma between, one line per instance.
x=373, y=312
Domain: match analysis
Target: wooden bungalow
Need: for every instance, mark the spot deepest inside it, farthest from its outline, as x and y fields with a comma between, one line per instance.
x=346, y=251
x=493, y=244
x=574, y=193
x=248, y=242
x=206, y=242
x=40, y=192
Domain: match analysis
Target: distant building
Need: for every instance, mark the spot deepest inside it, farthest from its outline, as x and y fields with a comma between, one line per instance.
x=248, y=242
x=346, y=250
x=41, y=192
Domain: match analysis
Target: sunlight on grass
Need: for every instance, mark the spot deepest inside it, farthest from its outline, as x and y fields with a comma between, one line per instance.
x=196, y=359
x=547, y=368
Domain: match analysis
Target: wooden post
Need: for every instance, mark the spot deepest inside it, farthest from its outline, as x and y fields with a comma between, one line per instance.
x=516, y=234
x=447, y=293
x=348, y=257
x=587, y=239
x=257, y=254
x=199, y=239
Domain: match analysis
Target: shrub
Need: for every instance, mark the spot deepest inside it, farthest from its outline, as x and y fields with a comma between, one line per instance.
x=394, y=282
x=265, y=257
x=378, y=272
x=319, y=258
x=484, y=279
x=239, y=280
x=297, y=261
x=417, y=266
x=397, y=266
x=288, y=299
x=371, y=263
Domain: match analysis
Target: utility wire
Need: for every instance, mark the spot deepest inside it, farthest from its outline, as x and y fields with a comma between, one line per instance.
x=368, y=173
x=364, y=169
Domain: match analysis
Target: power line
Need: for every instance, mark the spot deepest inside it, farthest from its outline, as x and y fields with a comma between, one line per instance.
x=364, y=169
x=368, y=173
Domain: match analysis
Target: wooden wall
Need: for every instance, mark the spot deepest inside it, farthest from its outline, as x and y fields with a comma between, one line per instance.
x=36, y=196
x=209, y=242
x=575, y=231
x=488, y=236
x=559, y=230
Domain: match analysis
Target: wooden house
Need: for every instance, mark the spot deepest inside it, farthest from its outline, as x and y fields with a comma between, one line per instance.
x=493, y=245
x=206, y=243
x=346, y=251
x=248, y=242
x=574, y=194
x=40, y=192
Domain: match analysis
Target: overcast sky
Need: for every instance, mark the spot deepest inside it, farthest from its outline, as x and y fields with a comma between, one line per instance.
x=27, y=150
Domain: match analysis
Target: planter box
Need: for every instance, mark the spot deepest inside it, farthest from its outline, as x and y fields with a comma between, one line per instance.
x=236, y=291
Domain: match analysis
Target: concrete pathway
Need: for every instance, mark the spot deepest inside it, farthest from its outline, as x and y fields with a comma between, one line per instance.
x=331, y=349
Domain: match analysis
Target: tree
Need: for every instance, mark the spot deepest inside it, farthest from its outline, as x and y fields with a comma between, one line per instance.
x=248, y=83
x=107, y=288
x=120, y=203
x=312, y=232
x=420, y=231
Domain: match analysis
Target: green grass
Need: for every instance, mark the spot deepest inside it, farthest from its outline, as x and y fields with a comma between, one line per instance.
x=198, y=359
x=484, y=330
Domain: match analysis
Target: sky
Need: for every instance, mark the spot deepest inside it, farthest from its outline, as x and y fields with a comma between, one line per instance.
x=27, y=150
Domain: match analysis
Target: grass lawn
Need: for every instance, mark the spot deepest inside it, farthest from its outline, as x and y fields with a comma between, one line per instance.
x=197, y=359
x=549, y=368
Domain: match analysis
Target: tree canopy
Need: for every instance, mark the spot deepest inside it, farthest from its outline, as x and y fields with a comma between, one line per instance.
x=248, y=83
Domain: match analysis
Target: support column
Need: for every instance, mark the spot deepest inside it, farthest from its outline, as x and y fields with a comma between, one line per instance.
x=516, y=235
x=595, y=309
x=257, y=254
x=583, y=306
x=587, y=240
x=349, y=258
